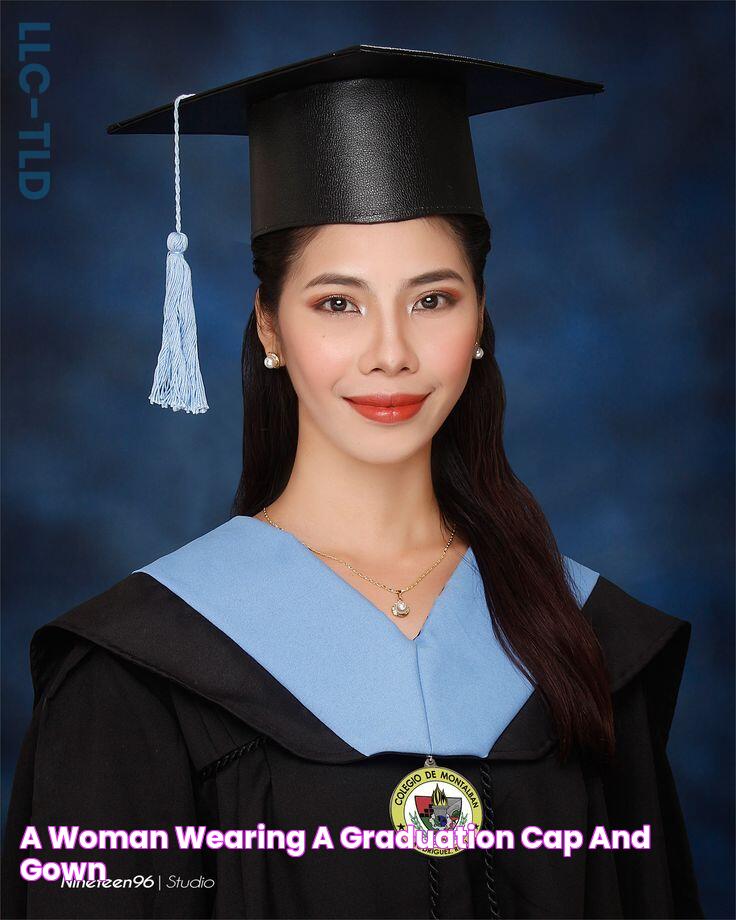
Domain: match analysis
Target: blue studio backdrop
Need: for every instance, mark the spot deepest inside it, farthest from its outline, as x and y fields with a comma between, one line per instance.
x=610, y=285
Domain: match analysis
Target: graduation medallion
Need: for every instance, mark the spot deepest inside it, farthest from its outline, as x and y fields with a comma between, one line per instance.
x=435, y=798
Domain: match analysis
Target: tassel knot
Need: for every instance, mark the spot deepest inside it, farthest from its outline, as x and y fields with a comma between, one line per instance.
x=177, y=242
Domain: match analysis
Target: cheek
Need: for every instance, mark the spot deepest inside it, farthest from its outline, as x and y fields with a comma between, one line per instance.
x=448, y=358
x=317, y=361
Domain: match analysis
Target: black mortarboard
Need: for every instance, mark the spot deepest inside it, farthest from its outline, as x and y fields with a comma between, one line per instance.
x=360, y=135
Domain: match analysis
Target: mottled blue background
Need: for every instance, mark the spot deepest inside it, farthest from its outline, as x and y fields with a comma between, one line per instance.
x=610, y=285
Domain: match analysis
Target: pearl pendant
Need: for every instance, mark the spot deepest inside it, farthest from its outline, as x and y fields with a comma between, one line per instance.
x=400, y=608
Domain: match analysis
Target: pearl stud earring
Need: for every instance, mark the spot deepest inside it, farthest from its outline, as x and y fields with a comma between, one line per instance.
x=478, y=352
x=272, y=360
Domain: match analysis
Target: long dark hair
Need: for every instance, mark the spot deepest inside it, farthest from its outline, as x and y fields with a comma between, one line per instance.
x=535, y=615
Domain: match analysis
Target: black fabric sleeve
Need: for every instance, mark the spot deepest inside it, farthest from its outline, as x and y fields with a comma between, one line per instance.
x=661, y=680
x=104, y=751
x=641, y=789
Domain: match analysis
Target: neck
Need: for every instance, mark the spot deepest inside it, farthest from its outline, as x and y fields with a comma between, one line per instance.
x=340, y=504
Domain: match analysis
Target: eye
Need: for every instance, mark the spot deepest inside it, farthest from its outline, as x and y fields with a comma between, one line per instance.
x=341, y=304
x=336, y=304
x=429, y=302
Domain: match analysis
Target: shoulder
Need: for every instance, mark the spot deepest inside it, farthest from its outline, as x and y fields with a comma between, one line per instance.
x=640, y=643
x=630, y=631
x=91, y=635
x=239, y=541
x=138, y=614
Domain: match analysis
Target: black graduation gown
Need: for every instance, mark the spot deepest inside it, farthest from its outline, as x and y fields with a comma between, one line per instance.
x=147, y=715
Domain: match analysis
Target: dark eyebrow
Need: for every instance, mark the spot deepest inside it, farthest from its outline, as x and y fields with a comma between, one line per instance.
x=441, y=274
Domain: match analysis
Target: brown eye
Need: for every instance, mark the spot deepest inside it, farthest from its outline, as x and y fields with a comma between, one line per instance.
x=340, y=305
x=429, y=302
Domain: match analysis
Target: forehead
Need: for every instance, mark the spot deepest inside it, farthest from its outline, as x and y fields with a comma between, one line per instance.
x=393, y=247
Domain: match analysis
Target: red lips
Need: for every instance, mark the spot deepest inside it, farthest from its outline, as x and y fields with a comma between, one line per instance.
x=388, y=399
x=388, y=408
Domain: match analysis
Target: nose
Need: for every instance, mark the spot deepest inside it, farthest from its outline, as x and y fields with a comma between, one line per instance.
x=388, y=345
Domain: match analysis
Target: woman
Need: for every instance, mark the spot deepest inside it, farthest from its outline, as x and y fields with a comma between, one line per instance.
x=384, y=633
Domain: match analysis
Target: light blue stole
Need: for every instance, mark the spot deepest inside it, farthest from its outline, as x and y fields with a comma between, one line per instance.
x=451, y=690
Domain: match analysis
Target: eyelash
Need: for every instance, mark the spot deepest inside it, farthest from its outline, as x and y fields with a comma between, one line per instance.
x=448, y=298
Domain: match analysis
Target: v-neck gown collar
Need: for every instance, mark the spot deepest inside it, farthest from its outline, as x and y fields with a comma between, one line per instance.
x=450, y=691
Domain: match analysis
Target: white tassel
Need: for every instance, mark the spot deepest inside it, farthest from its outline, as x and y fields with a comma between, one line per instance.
x=177, y=381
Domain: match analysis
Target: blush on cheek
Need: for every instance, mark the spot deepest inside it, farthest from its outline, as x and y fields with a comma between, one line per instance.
x=316, y=365
x=323, y=350
x=448, y=361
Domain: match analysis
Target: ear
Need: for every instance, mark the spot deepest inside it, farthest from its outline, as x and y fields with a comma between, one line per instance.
x=264, y=324
x=481, y=313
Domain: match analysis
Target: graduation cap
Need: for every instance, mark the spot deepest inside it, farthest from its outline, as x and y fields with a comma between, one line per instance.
x=362, y=135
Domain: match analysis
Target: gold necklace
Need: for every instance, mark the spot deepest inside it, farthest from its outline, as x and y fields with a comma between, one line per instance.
x=400, y=608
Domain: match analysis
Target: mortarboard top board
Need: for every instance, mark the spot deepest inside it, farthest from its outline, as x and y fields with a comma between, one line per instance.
x=365, y=134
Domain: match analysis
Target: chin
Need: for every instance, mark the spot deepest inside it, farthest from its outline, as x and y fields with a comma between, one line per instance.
x=377, y=453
